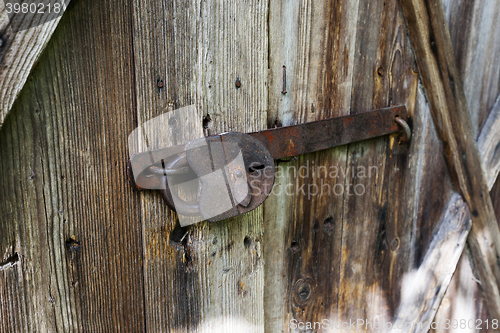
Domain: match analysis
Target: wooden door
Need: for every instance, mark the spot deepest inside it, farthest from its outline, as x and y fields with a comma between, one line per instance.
x=83, y=252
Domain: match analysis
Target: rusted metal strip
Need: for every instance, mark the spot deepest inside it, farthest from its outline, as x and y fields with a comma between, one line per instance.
x=301, y=139
x=282, y=142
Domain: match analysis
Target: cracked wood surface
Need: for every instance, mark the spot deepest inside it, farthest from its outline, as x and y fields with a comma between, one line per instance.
x=210, y=276
x=22, y=40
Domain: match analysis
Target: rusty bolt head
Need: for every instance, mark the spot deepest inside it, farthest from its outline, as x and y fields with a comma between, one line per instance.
x=238, y=83
x=159, y=84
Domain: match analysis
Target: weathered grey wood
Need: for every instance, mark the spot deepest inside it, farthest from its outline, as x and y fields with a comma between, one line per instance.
x=135, y=271
x=20, y=49
x=474, y=27
x=463, y=298
x=207, y=277
x=63, y=152
x=431, y=41
x=488, y=145
x=424, y=288
x=377, y=228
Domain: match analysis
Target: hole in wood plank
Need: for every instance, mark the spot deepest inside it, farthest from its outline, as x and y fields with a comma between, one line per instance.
x=178, y=234
x=207, y=122
x=329, y=225
x=247, y=242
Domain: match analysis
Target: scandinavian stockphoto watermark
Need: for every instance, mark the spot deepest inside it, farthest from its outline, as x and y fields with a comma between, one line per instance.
x=310, y=180
x=25, y=14
x=218, y=179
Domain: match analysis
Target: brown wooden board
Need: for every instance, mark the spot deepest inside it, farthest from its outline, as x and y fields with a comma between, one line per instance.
x=432, y=43
x=352, y=252
x=69, y=220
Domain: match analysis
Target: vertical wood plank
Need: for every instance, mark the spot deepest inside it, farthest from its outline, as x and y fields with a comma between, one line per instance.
x=378, y=225
x=76, y=222
x=315, y=43
x=350, y=251
x=205, y=277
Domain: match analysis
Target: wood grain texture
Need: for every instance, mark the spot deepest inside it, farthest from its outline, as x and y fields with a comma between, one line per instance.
x=424, y=289
x=207, y=277
x=302, y=238
x=22, y=40
x=463, y=298
x=474, y=27
x=377, y=228
x=66, y=207
x=350, y=251
x=431, y=41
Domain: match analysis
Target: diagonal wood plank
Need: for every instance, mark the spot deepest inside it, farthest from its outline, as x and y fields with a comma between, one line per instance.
x=22, y=39
x=474, y=26
x=431, y=41
x=424, y=288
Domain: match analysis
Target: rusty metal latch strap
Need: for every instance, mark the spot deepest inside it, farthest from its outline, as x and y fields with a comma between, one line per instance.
x=305, y=138
x=212, y=162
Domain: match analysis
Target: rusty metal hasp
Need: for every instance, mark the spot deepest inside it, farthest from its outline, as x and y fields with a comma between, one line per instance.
x=234, y=172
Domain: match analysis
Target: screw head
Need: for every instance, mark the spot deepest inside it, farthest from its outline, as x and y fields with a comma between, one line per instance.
x=238, y=83
x=238, y=173
x=159, y=84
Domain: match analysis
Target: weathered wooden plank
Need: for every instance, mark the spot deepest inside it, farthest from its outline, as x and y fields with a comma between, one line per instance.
x=22, y=39
x=317, y=240
x=463, y=298
x=207, y=277
x=315, y=43
x=424, y=288
x=473, y=26
x=63, y=153
x=433, y=48
x=378, y=226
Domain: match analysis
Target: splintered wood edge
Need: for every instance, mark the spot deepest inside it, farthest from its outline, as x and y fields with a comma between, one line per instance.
x=489, y=146
x=422, y=290
x=21, y=51
x=431, y=41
